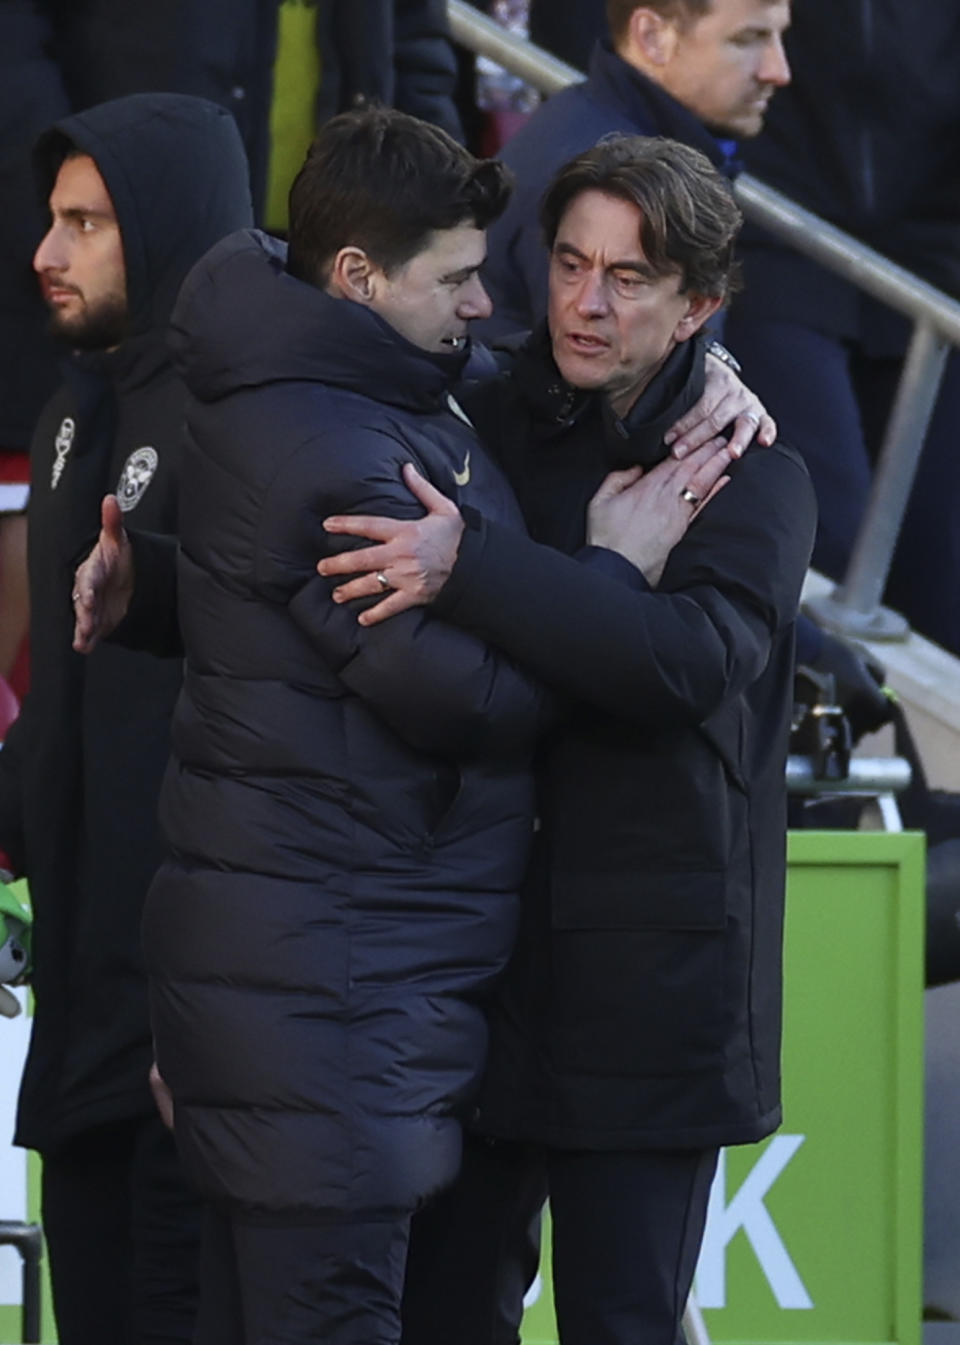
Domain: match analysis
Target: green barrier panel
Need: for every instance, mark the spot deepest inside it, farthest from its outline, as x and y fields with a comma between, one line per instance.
x=816, y=1235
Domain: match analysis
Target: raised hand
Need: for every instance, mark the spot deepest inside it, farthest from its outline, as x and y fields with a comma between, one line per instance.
x=103, y=583
x=412, y=560
x=643, y=515
x=726, y=401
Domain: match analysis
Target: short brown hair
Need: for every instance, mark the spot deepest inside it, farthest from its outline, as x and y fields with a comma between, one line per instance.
x=384, y=181
x=690, y=220
x=619, y=13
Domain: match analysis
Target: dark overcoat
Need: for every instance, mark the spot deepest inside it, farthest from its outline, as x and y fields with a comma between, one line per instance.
x=349, y=809
x=643, y=1005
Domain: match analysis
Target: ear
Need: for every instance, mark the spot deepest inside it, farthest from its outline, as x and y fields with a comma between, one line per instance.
x=353, y=276
x=700, y=310
x=651, y=38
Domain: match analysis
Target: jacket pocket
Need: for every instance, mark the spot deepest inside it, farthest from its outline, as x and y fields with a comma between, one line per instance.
x=694, y=900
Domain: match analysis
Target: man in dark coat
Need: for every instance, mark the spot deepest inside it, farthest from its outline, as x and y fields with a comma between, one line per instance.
x=868, y=138
x=638, y=1028
x=348, y=814
x=698, y=71
x=138, y=190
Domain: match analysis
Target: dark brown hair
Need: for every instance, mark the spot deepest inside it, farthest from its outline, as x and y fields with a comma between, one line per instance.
x=384, y=181
x=619, y=13
x=689, y=219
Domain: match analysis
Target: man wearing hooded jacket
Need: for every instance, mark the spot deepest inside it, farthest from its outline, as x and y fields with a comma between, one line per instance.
x=138, y=189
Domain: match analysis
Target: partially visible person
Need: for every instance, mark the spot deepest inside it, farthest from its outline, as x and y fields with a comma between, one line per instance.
x=137, y=190
x=867, y=137
x=638, y=1026
x=334, y=55
x=31, y=97
x=699, y=71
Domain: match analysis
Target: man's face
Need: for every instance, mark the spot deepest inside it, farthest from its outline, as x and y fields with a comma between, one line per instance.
x=612, y=322
x=726, y=66
x=80, y=260
x=438, y=292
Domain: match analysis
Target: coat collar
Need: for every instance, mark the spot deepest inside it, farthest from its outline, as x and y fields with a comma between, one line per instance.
x=634, y=440
x=614, y=81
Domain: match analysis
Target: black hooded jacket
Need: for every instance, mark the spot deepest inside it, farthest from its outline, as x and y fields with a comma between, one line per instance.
x=80, y=770
x=642, y=1006
x=349, y=810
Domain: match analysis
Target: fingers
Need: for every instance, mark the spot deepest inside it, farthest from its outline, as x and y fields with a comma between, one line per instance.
x=744, y=431
x=433, y=500
x=364, y=561
x=696, y=429
x=364, y=586
x=711, y=494
x=111, y=518
x=84, y=631
x=767, y=433
x=703, y=469
x=392, y=604
x=86, y=608
x=362, y=525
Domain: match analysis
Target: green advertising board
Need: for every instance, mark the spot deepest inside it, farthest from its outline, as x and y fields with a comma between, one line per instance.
x=815, y=1235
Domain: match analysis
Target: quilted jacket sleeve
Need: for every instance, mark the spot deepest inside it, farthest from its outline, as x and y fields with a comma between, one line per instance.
x=667, y=656
x=443, y=690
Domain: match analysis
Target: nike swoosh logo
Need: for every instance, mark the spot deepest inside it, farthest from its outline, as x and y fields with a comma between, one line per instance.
x=462, y=478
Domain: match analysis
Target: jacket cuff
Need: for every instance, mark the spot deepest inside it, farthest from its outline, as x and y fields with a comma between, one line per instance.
x=614, y=566
x=469, y=554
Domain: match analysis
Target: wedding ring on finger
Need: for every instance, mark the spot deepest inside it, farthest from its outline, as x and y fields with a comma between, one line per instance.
x=688, y=495
x=383, y=581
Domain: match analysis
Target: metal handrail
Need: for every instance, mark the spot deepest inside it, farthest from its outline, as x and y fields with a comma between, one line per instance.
x=854, y=606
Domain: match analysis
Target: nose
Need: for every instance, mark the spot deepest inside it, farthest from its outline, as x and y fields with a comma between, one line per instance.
x=775, y=68
x=592, y=299
x=476, y=301
x=49, y=256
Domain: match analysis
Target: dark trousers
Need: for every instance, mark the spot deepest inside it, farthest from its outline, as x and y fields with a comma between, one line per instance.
x=627, y=1228
x=123, y=1235
x=832, y=402
x=338, y=1283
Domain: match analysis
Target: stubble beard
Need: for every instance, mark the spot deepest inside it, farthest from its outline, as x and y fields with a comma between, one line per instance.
x=100, y=327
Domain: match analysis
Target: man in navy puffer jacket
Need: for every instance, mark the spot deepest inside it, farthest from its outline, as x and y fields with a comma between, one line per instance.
x=348, y=812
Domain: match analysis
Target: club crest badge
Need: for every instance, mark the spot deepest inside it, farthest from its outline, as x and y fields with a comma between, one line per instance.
x=62, y=446
x=137, y=474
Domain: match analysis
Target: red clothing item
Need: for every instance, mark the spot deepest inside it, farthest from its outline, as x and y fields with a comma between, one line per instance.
x=14, y=482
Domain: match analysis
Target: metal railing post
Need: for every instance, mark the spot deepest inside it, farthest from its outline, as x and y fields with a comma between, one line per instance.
x=853, y=608
x=481, y=34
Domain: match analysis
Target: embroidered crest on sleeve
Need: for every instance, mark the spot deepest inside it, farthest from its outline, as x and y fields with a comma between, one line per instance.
x=62, y=445
x=137, y=474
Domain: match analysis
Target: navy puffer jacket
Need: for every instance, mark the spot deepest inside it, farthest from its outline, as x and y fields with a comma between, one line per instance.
x=349, y=810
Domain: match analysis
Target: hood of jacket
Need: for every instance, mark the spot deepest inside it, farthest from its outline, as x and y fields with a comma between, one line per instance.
x=177, y=175
x=243, y=322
